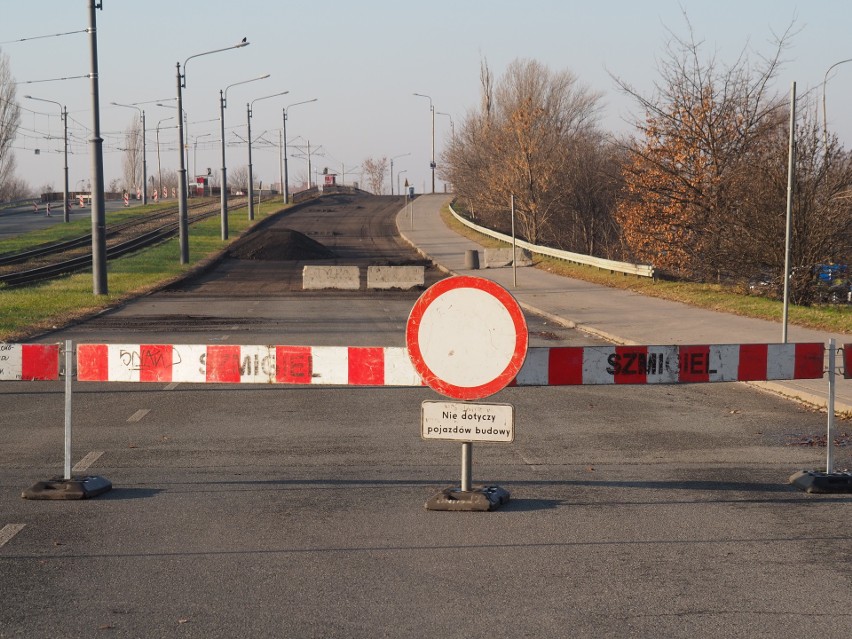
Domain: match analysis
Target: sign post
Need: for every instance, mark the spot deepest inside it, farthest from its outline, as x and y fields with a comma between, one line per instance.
x=467, y=339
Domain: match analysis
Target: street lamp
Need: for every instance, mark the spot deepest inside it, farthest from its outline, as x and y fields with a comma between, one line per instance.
x=186, y=124
x=452, y=124
x=63, y=113
x=249, y=106
x=159, y=166
x=183, y=118
x=144, y=158
x=286, y=175
x=824, y=118
x=398, y=189
x=96, y=153
x=432, y=163
x=182, y=205
x=195, y=153
x=223, y=194
x=391, y=162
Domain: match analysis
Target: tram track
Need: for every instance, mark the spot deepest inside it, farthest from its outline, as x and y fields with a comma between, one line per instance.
x=62, y=258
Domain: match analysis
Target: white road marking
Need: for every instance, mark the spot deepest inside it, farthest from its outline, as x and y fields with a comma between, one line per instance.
x=171, y=386
x=8, y=531
x=87, y=461
x=138, y=415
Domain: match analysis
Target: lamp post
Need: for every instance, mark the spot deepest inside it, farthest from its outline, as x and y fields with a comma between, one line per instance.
x=144, y=157
x=96, y=152
x=286, y=175
x=63, y=113
x=195, y=153
x=223, y=104
x=182, y=205
x=159, y=166
x=398, y=189
x=187, y=136
x=824, y=117
x=452, y=124
x=432, y=163
x=391, y=168
x=249, y=107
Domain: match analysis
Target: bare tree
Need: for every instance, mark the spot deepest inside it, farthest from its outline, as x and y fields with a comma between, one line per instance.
x=375, y=170
x=688, y=174
x=238, y=179
x=133, y=155
x=10, y=115
x=16, y=188
x=519, y=142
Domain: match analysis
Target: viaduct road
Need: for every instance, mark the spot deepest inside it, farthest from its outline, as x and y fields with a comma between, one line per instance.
x=298, y=511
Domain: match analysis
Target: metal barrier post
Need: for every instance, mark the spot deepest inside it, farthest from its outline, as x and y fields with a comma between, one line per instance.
x=68, y=486
x=814, y=481
x=69, y=374
x=829, y=440
x=466, y=464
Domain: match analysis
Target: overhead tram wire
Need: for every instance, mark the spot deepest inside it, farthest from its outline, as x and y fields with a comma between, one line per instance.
x=70, y=77
x=41, y=37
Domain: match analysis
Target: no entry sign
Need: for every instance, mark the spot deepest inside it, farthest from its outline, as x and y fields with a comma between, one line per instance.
x=467, y=337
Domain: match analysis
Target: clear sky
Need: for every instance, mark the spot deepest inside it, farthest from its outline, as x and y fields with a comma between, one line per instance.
x=363, y=61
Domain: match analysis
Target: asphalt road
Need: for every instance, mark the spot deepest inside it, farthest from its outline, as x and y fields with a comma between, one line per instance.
x=263, y=511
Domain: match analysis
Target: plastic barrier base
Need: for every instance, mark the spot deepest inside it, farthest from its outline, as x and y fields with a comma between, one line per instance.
x=479, y=498
x=75, y=488
x=814, y=481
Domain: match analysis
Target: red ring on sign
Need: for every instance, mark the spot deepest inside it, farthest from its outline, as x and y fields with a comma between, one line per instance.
x=502, y=379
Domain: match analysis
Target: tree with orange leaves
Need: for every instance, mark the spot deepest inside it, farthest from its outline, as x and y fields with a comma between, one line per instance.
x=688, y=170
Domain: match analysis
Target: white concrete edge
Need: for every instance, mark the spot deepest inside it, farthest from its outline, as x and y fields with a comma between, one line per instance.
x=641, y=270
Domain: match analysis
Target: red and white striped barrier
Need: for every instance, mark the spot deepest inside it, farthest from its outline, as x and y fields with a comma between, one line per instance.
x=245, y=364
x=391, y=366
x=29, y=362
x=561, y=366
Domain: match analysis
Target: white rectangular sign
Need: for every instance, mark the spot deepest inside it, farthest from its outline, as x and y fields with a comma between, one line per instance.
x=462, y=421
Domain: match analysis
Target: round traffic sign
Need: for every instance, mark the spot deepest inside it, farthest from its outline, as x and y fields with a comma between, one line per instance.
x=467, y=337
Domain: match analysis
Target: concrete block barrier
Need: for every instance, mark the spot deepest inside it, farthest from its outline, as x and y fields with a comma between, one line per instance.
x=499, y=257
x=402, y=277
x=316, y=278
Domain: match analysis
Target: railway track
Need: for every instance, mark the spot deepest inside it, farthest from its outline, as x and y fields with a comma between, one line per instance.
x=62, y=258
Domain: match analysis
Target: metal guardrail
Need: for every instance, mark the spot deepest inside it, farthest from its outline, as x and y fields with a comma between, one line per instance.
x=640, y=270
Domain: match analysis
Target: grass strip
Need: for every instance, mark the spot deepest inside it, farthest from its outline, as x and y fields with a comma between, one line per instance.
x=30, y=310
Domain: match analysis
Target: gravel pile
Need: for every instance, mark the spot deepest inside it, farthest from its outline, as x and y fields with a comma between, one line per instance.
x=279, y=245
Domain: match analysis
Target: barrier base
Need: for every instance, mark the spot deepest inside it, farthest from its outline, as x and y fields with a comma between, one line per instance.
x=814, y=481
x=479, y=498
x=84, y=487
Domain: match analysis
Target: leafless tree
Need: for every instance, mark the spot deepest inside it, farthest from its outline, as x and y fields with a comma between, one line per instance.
x=238, y=179
x=133, y=155
x=10, y=115
x=374, y=170
x=523, y=141
x=688, y=174
x=16, y=188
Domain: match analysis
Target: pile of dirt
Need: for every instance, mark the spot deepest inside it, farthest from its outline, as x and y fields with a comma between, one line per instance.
x=279, y=245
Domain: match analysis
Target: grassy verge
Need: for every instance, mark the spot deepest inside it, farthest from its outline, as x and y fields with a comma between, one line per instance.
x=31, y=310
x=726, y=299
x=74, y=228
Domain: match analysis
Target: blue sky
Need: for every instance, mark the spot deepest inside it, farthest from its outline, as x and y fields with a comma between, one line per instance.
x=363, y=61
